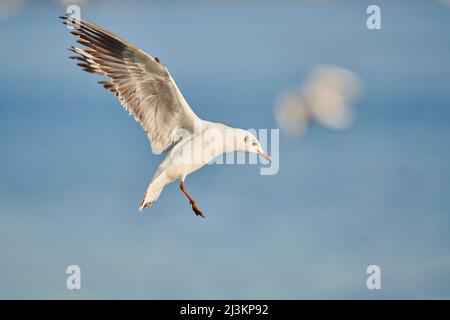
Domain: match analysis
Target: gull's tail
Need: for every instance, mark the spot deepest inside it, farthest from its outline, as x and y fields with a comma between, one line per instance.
x=154, y=189
x=150, y=196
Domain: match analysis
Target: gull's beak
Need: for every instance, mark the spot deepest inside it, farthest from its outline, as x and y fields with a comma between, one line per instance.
x=265, y=155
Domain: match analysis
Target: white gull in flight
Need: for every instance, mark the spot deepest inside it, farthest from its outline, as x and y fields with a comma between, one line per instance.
x=146, y=89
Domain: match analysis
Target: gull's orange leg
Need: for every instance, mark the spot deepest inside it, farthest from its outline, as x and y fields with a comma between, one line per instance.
x=191, y=201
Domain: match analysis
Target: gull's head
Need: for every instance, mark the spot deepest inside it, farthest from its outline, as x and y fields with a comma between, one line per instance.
x=247, y=142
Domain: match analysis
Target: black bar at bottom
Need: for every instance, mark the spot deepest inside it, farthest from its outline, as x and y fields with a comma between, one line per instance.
x=231, y=309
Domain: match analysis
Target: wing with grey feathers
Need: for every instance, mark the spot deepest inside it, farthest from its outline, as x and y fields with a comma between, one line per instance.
x=143, y=84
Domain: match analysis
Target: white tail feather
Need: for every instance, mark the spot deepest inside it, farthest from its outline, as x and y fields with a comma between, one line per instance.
x=151, y=195
x=155, y=188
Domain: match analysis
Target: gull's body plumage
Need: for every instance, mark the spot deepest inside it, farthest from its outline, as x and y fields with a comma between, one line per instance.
x=146, y=89
x=186, y=157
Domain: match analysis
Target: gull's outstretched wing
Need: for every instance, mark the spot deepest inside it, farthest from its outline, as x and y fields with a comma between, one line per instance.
x=143, y=84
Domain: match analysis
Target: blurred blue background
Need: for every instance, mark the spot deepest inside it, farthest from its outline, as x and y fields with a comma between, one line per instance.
x=74, y=165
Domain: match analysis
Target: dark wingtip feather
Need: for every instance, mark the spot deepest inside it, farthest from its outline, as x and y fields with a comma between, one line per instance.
x=88, y=70
x=76, y=58
x=84, y=65
x=82, y=41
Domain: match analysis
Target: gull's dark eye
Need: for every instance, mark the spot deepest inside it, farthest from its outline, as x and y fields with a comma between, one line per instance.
x=254, y=144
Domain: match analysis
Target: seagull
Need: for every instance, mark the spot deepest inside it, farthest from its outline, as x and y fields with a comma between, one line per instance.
x=327, y=97
x=148, y=92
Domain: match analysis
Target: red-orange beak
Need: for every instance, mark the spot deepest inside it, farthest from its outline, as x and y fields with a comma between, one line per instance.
x=264, y=155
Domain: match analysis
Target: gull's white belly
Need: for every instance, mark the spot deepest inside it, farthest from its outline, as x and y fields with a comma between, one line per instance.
x=192, y=154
